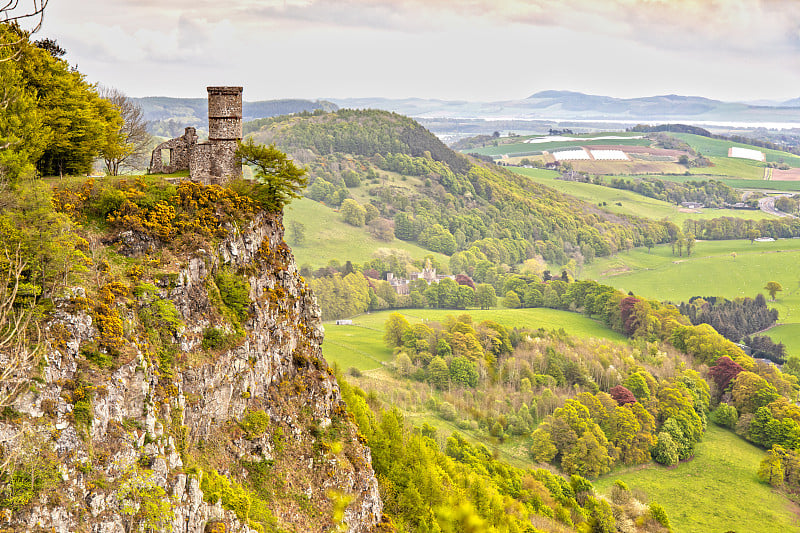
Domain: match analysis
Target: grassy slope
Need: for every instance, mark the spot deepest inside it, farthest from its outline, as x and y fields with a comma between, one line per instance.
x=731, y=167
x=716, y=491
x=327, y=237
x=361, y=345
x=719, y=148
x=632, y=203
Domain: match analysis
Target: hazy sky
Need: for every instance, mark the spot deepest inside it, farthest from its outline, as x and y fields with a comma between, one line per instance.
x=472, y=49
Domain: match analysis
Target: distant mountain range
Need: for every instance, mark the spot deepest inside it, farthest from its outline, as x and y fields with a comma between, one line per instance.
x=169, y=116
x=569, y=105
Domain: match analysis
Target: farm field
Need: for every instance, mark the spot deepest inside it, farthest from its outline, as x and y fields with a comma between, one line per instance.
x=719, y=148
x=328, y=237
x=632, y=203
x=361, y=345
x=726, y=495
x=736, y=183
x=732, y=167
x=520, y=147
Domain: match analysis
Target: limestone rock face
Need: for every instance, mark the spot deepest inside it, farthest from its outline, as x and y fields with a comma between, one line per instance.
x=154, y=431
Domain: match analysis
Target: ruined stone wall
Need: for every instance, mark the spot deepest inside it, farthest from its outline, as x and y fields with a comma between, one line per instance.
x=180, y=153
x=200, y=163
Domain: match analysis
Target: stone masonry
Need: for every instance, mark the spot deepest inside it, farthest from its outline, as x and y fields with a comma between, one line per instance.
x=213, y=161
x=179, y=151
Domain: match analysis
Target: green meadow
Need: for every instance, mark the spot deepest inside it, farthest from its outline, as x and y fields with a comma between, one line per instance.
x=736, y=183
x=361, y=345
x=719, y=148
x=713, y=270
x=328, y=237
x=731, y=167
x=789, y=335
x=716, y=491
x=632, y=203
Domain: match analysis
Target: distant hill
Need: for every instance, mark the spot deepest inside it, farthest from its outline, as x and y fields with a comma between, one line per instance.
x=168, y=117
x=442, y=200
x=570, y=105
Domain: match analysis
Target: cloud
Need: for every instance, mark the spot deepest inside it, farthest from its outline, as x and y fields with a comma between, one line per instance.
x=476, y=49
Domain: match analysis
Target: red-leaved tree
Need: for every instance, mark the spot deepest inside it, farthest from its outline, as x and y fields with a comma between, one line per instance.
x=622, y=395
x=627, y=311
x=724, y=371
x=463, y=279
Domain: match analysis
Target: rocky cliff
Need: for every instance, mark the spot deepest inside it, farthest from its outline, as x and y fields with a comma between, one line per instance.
x=188, y=394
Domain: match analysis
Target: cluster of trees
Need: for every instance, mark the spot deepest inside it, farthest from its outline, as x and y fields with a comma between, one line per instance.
x=670, y=128
x=763, y=347
x=787, y=205
x=446, y=354
x=457, y=486
x=781, y=469
x=724, y=228
x=345, y=295
x=501, y=381
x=592, y=432
x=733, y=319
x=711, y=193
x=53, y=122
x=757, y=406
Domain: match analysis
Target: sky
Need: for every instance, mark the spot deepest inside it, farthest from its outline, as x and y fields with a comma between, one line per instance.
x=477, y=50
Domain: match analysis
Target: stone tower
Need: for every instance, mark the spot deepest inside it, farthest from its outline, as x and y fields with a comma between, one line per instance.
x=224, y=113
x=215, y=161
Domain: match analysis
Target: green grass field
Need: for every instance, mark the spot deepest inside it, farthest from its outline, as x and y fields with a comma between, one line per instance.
x=712, y=271
x=732, y=167
x=736, y=183
x=632, y=203
x=789, y=335
x=716, y=491
x=328, y=237
x=719, y=148
x=361, y=345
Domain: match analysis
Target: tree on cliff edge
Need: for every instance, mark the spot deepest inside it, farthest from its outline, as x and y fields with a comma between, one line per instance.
x=279, y=178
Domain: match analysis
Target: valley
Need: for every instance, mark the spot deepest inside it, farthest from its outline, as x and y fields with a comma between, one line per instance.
x=669, y=271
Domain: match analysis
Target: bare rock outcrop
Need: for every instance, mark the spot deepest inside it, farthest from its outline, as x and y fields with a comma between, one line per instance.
x=181, y=436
